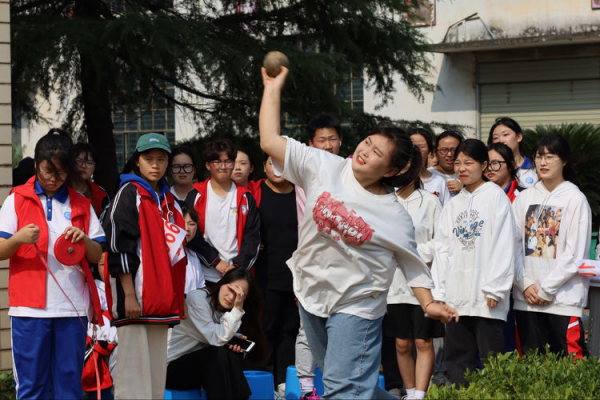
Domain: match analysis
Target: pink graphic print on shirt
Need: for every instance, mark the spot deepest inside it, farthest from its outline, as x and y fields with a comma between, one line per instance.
x=332, y=215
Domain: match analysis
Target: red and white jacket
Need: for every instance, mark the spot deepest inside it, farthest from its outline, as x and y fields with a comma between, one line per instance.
x=248, y=227
x=135, y=237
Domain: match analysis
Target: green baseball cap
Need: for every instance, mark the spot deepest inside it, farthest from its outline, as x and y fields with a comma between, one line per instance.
x=151, y=141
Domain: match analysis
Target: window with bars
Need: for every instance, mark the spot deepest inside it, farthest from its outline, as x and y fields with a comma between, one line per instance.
x=353, y=91
x=128, y=125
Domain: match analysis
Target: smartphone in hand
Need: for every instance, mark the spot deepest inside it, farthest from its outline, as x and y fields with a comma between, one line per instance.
x=245, y=345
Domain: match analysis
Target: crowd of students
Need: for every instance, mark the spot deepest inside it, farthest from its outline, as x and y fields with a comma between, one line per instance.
x=321, y=263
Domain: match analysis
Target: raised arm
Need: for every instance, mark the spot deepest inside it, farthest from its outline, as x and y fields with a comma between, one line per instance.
x=269, y=122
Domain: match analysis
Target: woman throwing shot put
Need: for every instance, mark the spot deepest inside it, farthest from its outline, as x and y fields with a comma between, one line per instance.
x=355, y=235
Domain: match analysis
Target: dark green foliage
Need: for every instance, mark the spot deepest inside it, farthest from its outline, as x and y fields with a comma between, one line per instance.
x=95, y=53
x=534, y=376
x=584, y=140
x=7, y=386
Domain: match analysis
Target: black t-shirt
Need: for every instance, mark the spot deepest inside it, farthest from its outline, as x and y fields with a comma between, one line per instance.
x=279, y=236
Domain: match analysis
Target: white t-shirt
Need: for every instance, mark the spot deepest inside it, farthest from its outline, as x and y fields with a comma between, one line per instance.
x=351, y=241
x=437, y=185
x=194, y=277
x=71, y=278
x=220, y=227
x=446, y=177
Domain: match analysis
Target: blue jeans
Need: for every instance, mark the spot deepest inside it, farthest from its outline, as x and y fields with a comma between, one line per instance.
x=347, y=348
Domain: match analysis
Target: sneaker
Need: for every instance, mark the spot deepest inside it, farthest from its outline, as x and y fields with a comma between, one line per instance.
x=396, y=392
x=310, y=396
x=281, y=390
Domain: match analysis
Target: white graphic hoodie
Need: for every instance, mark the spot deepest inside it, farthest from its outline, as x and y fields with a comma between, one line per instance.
x=424, y=208
x=475, y=252
x=561, y=222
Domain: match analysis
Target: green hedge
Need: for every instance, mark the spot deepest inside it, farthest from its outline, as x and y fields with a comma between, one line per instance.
x=534, y=376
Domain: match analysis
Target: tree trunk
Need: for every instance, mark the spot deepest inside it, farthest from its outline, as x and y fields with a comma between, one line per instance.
x=97, y=112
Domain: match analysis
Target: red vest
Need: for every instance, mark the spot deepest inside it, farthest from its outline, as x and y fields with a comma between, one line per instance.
x=98, y=195
x=511, y=190
x=27, y=273
x=241, y=202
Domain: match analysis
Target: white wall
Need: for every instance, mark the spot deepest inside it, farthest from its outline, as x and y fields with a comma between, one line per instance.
x=456, y=102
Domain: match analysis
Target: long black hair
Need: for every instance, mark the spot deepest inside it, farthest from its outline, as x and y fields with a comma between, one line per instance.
x=188, y=152
x=556, y=144
x=507, y=155
x=54, y=147
x=475, y=149
x=425, y=134
x=512, y=125
x=252, y=324
x=404, y=155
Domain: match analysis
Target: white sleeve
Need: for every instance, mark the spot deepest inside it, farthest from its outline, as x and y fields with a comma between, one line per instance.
x=415, y=271
x=302, y=163
x=204, y=329
x=578, y=233
x=8, y=218
x=95, y=231
x=520, y=281
x=444, y=195
x=442, y=251
x=427, y=249
x=499, y=272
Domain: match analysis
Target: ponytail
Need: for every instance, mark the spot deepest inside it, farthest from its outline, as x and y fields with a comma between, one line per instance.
x=406, y=157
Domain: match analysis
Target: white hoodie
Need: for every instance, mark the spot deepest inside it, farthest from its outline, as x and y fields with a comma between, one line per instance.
x=556, y=278
x=477, y=263
x=424, y=208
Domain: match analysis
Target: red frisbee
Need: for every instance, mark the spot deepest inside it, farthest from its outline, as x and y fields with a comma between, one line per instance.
x=68, y=253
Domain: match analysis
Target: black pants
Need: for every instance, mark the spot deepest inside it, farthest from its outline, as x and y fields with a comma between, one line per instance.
x=217, y=370
x=466, y=340
x=563, y=333
x=282, y=322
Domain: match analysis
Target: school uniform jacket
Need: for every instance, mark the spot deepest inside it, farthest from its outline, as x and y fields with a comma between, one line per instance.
x=134, y=227
x=248, y=227
x=27, y=272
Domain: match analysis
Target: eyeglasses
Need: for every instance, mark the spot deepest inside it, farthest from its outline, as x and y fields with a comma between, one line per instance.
x=227, y=163
x=84, y=163
x=445, y=150
x=48, y=175
x=187, y=168
x=495, y=165
x=550, y=158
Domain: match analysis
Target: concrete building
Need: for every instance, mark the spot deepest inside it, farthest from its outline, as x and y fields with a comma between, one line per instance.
x=536, y=61
x=5, y=173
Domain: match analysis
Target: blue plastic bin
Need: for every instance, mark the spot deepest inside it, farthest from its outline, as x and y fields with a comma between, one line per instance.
x=185, y=394
x=261, y=384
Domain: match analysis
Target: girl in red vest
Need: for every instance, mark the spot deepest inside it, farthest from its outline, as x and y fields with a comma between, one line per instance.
x=48, y=337
x=146, y=263
x=85, y=161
